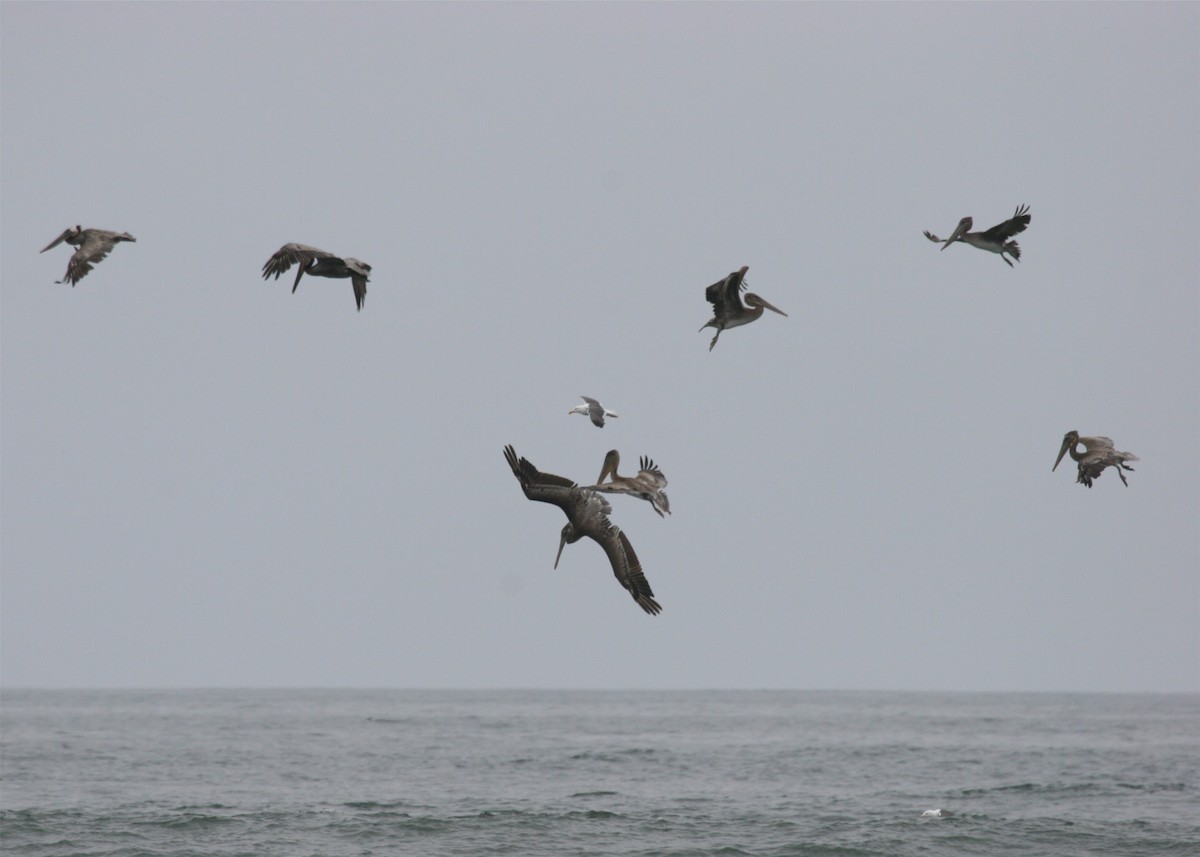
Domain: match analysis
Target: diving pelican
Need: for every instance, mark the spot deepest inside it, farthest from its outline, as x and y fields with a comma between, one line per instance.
x=993, y=240
x=647, y=485
x=587, y=515
x=93, y=244
x=318, y=263
x=1098, y=453
x=594, y=411
x=728, y=310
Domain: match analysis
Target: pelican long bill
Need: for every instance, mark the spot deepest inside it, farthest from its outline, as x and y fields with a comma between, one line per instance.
x=562, y=543
x=959, y=232
x=1066, y=444
x=770, y=307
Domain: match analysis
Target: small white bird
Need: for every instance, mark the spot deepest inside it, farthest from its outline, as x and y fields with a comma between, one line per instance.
x=594, y=410
x=936, y=813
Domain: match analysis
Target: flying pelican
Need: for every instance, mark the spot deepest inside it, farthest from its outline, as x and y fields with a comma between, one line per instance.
x=647, y=485
x=93, y=244
x=318, y=263
x=1098, y=453
x=993, y=240
x=728, y=310
x=587, y=515
x=594, y=410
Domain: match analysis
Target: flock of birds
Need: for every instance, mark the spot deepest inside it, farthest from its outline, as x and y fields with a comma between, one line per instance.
x=586, y=510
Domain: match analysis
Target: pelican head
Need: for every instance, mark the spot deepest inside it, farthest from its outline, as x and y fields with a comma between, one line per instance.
x=1069, y=440
x=611, y=462
x=964, y=226
x=67, y=235
x=752, y=299
x=569, y=537
x=124, y=236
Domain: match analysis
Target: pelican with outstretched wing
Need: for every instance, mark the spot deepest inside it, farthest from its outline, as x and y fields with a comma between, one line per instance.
x=587, y=515
x=593, y=410
x=1098, y=453
x=994, y=240
x=728, y=309
x=93, y=245
x=647, y=485
x=318, y=263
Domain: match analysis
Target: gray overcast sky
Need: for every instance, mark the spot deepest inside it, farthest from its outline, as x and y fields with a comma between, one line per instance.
x=208, y=480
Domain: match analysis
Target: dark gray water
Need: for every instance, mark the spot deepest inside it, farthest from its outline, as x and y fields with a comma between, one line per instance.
x=251, y=772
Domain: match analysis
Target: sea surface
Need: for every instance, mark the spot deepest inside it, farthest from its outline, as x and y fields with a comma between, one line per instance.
x=538, y=772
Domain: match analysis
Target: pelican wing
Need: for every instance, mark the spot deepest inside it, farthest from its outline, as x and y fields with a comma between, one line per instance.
x=292, y=254
x=932, y=237
x=542, y=487
x=724, y=295
x=1013, y=226
x=95, y=247
x=627, y=569
x=1088, y=471
x=650, y=474
x=637, y=488
x=1095, y=445
x=360, y=288
x=78, y=267
x=626, y=487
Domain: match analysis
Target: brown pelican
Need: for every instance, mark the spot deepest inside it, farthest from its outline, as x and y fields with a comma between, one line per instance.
x=594, y=410
x=587, y=515
x=318, y=263
x=93, y=244
x=647, y=485
x=1098, y=453
x=993, y=240
x=728, y=310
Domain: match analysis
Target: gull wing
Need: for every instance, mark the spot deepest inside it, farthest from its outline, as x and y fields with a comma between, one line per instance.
x=595, y=411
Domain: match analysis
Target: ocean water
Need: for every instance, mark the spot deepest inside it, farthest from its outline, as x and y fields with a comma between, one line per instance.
x=404, y=772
